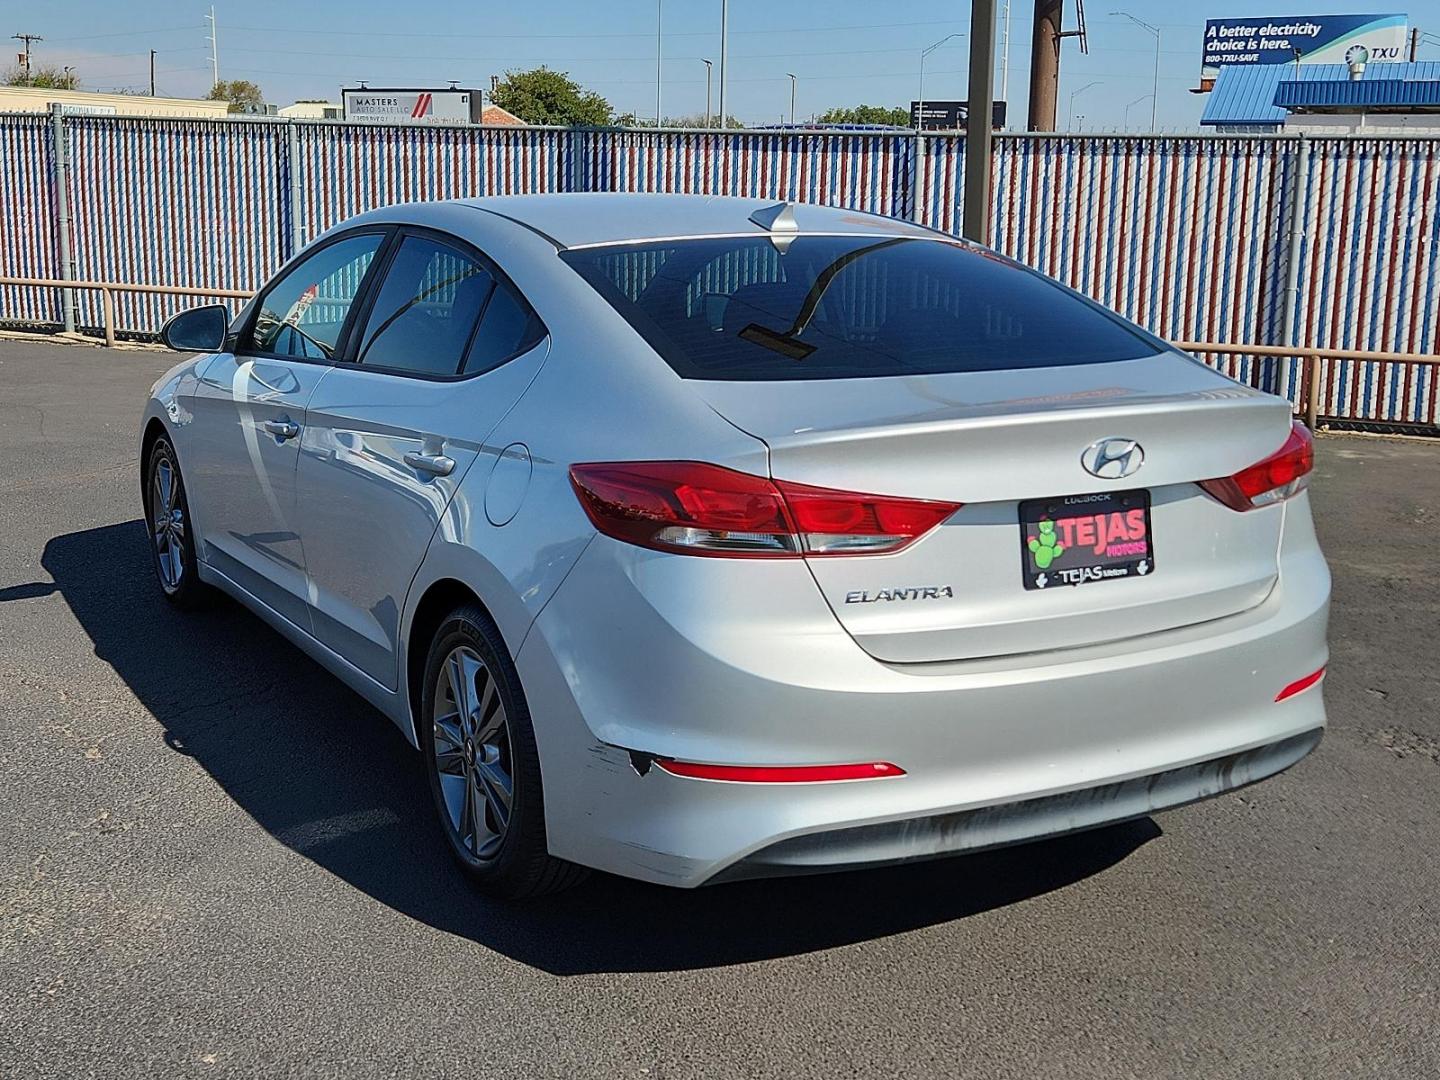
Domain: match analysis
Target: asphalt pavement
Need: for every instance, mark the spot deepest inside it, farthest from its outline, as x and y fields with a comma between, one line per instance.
x=217, y=861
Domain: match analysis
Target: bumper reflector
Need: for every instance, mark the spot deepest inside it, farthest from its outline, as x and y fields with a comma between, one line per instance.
x=1301, y=684
x=782, y=774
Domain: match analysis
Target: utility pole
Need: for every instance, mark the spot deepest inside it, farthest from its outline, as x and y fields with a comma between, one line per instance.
x=27, y=39
x=1045, y=65
x=724, y=56
x=708, y=66
x=792, y=97
x=659, y=61
x=978, y=137
x=214, y=40
x=1414, y=42
x=152, y=72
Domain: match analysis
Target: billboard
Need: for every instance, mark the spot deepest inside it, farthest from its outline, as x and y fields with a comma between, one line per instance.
x=382, y=105
x=952, y=115
x=1318, y=39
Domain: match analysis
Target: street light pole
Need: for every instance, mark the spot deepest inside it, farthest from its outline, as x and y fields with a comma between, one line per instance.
x=724, y=55
x=792, y=97
x=1132, y=104
x=1155, y=89
x=659, y=61
x=920, y=103
x=1070, y=115
x=708, y=66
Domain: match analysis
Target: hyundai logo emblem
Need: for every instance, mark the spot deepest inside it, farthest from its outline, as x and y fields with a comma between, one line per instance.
x=1111, y=459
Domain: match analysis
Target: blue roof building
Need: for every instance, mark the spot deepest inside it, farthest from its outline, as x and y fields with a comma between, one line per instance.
x=1326, y=99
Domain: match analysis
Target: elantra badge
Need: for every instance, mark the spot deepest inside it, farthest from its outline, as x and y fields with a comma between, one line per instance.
x=1112, y=459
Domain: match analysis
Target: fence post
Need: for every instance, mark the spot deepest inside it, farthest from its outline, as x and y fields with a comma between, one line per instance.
x=107, y=315
x=60, y=150
x=1312, y=391
x=916, y=172
x=1299, y=191
x=292, y=160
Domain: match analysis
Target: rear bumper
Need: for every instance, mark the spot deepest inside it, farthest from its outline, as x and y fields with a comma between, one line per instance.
x=663, y=655
x=1012, y=823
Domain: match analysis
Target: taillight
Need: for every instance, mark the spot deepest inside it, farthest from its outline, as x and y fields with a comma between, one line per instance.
x=699, y=509
x=1300, y=685
x=1281, y=475
x=783, y=774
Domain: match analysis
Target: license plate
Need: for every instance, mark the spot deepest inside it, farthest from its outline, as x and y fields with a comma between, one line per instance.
x=1077, y=539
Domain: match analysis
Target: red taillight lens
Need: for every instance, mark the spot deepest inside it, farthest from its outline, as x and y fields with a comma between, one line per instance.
x=1281, y=475
x=1300, y=685
x=782, y=774
x=700, y=509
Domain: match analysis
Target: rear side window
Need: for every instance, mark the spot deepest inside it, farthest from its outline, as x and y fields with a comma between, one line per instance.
x=303, y=313
x=425, y=313
x=508, y=329
x=827, y=307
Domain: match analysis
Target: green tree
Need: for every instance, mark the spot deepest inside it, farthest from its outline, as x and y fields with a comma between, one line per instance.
x=867, y=114
x=542, y=96
x=242, y=94
x=45, y=78
x=695, y=120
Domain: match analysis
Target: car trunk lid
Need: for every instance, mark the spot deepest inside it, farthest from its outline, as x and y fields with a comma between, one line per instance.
x=996, y=440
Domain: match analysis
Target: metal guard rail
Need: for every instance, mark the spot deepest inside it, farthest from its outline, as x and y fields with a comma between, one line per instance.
x=1311, y=356
x=108, y=289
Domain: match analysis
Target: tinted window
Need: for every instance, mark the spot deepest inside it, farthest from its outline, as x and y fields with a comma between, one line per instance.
x=303, y=313
x=426, y=310
x=508, y=328
x=848, y=307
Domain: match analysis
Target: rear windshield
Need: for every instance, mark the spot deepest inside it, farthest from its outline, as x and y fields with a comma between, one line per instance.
x=846, y=307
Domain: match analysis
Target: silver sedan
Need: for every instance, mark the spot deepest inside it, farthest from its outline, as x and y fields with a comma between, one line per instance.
x=695, y=539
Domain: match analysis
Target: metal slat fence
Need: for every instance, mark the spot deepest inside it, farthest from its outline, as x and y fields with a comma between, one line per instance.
x=190, y=202
x=28, y=246
x=1193, y=237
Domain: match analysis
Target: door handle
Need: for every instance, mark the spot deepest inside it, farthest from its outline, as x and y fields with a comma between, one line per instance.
x=434, y=464
x=282, y=429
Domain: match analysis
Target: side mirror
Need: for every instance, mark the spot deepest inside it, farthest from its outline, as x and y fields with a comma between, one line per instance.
x=201, y=329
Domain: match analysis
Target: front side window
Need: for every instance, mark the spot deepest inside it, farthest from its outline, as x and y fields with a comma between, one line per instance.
x=302, y=315
x=426, y=310
x=845, y=307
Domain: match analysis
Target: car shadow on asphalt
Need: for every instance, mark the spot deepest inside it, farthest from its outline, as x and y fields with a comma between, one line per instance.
x=332, y=779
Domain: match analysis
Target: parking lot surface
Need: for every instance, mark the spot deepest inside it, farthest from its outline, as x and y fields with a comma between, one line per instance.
x=217, y=861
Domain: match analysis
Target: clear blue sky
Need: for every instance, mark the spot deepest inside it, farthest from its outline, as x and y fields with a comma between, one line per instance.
x=844, y=51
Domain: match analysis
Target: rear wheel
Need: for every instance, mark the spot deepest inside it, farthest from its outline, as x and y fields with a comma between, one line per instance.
x=482, y=763
x=167, y=519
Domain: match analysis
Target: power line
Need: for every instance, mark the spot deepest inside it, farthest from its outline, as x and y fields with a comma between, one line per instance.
x=127, y=33
x=639, y=34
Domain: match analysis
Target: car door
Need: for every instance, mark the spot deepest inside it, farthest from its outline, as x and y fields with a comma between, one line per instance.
x=249, y=407
x=390, y=434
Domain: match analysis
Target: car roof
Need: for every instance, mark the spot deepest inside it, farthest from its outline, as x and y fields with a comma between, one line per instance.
x=586, y=219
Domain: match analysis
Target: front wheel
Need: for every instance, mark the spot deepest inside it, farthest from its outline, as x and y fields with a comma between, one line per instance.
x=167, y=518
x=483, y=767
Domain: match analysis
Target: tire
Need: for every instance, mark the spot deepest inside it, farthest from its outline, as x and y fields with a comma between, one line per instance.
x=478, y=742
x=169, y=530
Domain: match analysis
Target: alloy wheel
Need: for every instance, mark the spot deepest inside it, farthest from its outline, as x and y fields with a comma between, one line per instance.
x=472, y=752
x=167, y=524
